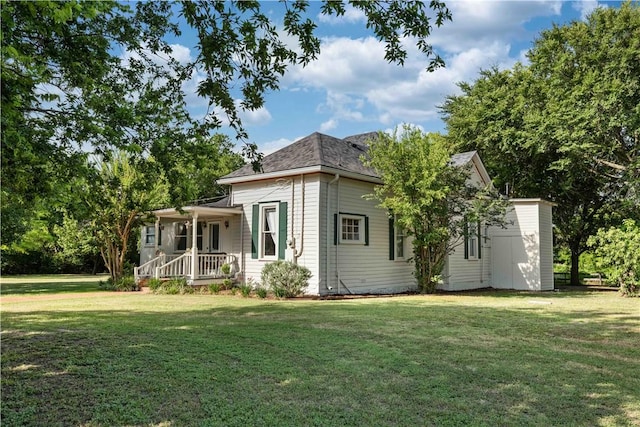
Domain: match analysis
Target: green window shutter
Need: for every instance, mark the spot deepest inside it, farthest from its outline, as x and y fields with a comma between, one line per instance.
x=479, y=240
x=392, y=239
x=282, y=229
x=466, y=239
x=335, y=229
x=255, y=224
x=366, y=231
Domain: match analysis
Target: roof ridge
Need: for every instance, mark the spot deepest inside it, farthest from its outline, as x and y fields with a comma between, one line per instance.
x=318, y=148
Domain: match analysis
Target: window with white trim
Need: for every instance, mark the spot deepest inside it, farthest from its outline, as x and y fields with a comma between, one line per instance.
x=180, y=233
x=400, y=238
x=472, y=240
x=150, y=235
x=268, y=231
x=199, y=228
x=352, y=229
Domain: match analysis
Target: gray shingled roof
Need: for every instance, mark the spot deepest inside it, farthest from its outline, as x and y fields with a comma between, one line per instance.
x=319, y=149
x=462, y=158
x=316, y=149
x=222, y=203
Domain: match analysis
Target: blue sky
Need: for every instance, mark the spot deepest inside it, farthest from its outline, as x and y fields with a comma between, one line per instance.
x=351, y=89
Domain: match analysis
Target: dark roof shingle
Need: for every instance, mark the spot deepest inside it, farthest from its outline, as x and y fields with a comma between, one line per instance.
x=319, y=149
x=316, y=149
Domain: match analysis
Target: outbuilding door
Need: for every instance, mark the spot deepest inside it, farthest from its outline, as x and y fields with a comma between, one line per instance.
x=512, y=267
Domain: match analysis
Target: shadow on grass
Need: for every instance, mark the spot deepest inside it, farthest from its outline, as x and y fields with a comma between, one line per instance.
x=53, y=286
x=393, y=362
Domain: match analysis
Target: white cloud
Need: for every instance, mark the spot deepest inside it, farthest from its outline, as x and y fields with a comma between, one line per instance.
x=585, y=7
x=360, y=86
x=272, y=146
x=328, y=125
x=476, y=23
x=181, y=53
x=258, y=117
x=351, y=16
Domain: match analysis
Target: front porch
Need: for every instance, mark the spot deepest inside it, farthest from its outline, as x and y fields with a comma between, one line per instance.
x=200, y=267
x=194, y=242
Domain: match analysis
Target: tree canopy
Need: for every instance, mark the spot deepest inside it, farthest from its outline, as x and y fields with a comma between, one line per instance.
x=97, y=77
x=429, y=197
x=565, y=127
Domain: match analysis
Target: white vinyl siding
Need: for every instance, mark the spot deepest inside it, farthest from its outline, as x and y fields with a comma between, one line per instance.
x=466, y=272
x=359, y=268
x=546, y=247
x=271, y=191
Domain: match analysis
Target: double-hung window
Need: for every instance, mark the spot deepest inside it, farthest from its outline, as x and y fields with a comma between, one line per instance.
x=472, y=242
x=180, y=232
x=268, y=231
x=399, y=241
x=149, y=235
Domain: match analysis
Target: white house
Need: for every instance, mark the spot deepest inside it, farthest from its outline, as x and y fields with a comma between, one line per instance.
x=307, y=205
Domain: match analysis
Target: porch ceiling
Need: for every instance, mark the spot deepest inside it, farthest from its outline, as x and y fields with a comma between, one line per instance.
x=200, y=211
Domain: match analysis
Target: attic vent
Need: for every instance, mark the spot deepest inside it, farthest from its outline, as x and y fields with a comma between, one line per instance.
x=358, y=146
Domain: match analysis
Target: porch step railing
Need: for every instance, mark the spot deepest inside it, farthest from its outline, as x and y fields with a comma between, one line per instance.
x=148, y=269
x=209, y=266
x=180, y=266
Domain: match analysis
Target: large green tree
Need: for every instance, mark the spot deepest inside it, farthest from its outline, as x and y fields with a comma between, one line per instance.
x=100, y=75
x=430, y=198
x=120, y=196
x=566, y=127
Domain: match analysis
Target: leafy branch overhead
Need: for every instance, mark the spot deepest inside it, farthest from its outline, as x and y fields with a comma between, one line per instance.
x=97, y=76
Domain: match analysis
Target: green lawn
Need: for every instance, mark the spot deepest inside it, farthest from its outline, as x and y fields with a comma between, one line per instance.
x=488, y=358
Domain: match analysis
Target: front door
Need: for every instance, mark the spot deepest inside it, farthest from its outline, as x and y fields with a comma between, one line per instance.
x=214, y=237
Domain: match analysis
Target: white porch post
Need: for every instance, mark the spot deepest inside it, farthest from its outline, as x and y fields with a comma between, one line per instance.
x=156, y=235
x=194, y=247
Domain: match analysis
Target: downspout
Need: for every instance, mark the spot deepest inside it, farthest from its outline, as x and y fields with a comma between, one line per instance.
x=338, y=237
x=483, y=253
x=328, y=231
x=194, y=247
x=242, y=268
x=291, y=241
x=155, y=243
x=298, y=253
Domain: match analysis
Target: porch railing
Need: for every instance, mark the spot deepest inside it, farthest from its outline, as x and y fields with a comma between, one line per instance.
x=180, y=266
x=148, y=269
x=209, y=266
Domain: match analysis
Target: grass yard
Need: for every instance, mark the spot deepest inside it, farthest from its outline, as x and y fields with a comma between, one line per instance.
x=486, y=358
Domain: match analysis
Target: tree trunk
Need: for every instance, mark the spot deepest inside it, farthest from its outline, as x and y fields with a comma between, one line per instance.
x=575, y=266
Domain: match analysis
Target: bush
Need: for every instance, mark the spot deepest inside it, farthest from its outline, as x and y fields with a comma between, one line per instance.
x=154, y=284
x=215, y=288
x=261, y=292
x=174, y=287
x=227, y=284
x=124, y=284
x=285, y=278
x=245, y=290
x=619, y=250
x=226, y=269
